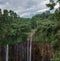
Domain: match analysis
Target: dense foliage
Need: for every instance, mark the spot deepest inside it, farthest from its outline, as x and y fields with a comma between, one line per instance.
x=14, y=29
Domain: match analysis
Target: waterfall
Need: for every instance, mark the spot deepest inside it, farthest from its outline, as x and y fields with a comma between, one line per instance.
x=7, y=48
x=29, y=47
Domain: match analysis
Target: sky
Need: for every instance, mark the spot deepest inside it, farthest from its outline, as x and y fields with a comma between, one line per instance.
x=25, y=8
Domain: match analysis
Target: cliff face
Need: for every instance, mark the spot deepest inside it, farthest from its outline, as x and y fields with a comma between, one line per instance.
x=18, y=52
x=2, y=53
x=42, y=52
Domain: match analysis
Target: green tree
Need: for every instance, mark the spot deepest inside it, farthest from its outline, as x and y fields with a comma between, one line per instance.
x=51, y=5
x=33, y=23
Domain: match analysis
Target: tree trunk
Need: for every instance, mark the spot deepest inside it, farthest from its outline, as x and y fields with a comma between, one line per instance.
x=7, y=51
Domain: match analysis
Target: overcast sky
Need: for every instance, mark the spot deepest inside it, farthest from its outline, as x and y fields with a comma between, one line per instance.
x=25, y=8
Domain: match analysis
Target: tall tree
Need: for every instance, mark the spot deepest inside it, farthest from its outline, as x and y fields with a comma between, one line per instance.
x=52, y=4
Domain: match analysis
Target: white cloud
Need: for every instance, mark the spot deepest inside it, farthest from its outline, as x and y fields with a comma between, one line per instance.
x=57, y=5
x=25, y=14
x=24, y=7
x=43, y=10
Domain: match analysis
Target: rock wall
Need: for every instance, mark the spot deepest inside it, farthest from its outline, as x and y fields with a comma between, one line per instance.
x=18, y=52
x=42, y=52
